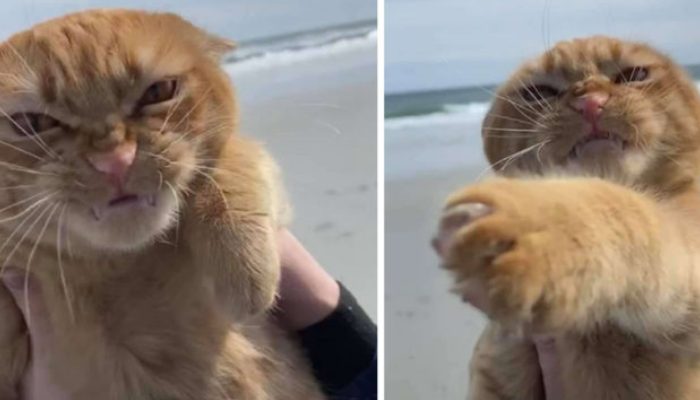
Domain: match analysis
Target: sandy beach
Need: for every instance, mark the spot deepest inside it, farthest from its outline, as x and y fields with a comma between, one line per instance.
x=430, y=333
x=318, y=118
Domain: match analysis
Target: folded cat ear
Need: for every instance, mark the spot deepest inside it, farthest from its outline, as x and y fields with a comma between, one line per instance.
x=217, y=47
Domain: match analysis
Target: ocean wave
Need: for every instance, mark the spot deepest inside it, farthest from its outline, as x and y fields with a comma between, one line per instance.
x=452, y=114
x=301, y=54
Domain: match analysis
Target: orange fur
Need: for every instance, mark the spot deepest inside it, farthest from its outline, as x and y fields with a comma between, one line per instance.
x=166, y=301
x=597, y=246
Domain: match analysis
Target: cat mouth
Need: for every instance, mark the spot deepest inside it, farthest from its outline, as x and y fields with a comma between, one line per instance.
x=598, y=142
x=121, y=202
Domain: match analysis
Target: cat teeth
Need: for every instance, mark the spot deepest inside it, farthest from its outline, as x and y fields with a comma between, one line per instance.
x=97, y=213
x=151, y=200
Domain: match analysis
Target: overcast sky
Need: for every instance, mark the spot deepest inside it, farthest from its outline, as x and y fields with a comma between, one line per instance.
x=446, y=43
x=236, y=19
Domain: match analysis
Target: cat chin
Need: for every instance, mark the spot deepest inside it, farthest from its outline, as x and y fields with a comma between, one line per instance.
x=617, y=166
x=128, y=229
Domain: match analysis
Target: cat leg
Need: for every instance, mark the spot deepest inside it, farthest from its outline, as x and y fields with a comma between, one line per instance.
x=556, y=255
x=14, y=346
x=231, y=223
x=504, y=368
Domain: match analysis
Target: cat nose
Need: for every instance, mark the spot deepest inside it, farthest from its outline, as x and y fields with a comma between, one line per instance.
x=590, y=105
x=114, y=163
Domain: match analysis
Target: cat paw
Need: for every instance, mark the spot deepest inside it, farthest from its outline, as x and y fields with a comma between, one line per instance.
x=496, y=243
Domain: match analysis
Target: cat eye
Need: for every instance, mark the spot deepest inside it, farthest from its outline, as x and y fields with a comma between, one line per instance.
x=25, y=124
x=537, y=93
x=632, y=74
x=159, y=92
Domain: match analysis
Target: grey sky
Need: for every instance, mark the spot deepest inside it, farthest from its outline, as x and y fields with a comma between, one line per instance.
x=445, y=43
x=236, y=19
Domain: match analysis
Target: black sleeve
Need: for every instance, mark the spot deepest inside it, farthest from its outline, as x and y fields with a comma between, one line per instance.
x=342, y=346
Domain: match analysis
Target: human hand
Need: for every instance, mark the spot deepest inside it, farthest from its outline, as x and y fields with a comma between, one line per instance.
x=307, y=293
x=37, y=384
x=546, y=346
x=548, y=356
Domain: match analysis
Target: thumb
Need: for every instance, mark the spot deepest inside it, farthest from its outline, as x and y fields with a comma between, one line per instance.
x=548, y=356
x=38, y=383
x=26, y=292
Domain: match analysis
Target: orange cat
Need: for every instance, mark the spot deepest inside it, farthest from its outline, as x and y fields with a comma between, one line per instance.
x=147, y=221
x=593, y=238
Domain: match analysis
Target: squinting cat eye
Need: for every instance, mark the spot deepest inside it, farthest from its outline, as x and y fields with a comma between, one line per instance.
x=159, y=92
x=536, y=93
x=26, y=124
x=632, y=74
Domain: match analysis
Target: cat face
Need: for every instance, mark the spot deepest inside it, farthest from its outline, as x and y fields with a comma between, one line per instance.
x=598, y=106
x=106, y=117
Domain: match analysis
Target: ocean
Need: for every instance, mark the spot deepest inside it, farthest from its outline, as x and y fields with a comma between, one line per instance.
x=432, y=131
x=292, y=48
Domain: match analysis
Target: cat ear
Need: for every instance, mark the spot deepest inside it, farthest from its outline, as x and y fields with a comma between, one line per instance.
x=217, y=47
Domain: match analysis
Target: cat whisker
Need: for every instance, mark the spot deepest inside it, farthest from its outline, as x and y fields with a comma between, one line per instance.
x=526, y=110
x=209, y=169
x=18, y=187
x=522, y=105
x=21, y=150
x=21, y=81
x=526, y=103
x=522, y=121
x=15, y=231
x=194, y=107
x=166, y=160
x=30, y=258
x=520, y=108
x=160, y=180
x=39, y=138
x=545, y=26
x=33, y=136
x=335, y=129
x=512, y=130
x=210, y=131
x=8, y=258
x=326, y=105
x=224, y=118
x=64, y=284
x=22, y=60
x=511, y=158
x=19, y=168
x=667, y=91
x=177, y=207
x=541, y=101
x=539, y=150
x=29, y=208
x=26, y=200
x=507, y=136
x=170, y=113
x=78, y=183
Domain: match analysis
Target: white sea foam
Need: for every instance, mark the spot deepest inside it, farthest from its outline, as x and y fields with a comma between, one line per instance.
x=452, y=114
x=294, y=56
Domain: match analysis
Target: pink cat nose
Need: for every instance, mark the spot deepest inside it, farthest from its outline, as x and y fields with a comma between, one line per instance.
x=591, y=105
x=116, y=162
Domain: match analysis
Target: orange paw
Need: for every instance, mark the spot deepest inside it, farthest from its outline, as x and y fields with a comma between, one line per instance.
x=496, y=247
